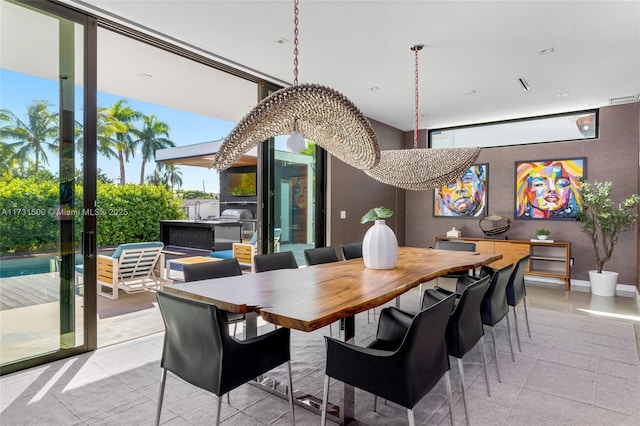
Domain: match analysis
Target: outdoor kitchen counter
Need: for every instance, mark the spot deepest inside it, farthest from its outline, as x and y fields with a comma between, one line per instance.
x=203, y=234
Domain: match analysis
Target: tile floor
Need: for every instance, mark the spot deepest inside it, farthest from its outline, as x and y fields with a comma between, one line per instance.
x=581, y=367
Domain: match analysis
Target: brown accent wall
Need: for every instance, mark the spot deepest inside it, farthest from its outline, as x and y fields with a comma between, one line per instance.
x=614, y=156
x=353, y=191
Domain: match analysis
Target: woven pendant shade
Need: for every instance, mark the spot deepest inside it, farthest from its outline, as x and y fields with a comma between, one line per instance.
x=321, y=114
x=420, y=169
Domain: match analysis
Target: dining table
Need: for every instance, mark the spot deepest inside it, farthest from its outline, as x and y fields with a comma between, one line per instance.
x=313, y=297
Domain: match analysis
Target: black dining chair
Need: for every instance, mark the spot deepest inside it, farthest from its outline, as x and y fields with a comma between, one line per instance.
x=464, y=329
x=351, y=250
x=320, y=255
x=494, y=304
x=198, y=349
x=272, y=261
x=354, y=251
x=402, y=373
x=454, y=246
x=516, y=293
x=216, y=269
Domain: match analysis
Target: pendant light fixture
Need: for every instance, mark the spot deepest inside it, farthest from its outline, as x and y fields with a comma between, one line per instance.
x=421, y=169
x=304, y=111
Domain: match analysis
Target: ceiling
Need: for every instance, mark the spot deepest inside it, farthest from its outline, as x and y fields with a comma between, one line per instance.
x=475, y=53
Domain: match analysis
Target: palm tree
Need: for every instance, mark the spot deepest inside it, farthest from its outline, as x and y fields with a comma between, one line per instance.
x=125, y=145
x=153, y=136
x=106, y=127
x=39, y=131
x=173, y=175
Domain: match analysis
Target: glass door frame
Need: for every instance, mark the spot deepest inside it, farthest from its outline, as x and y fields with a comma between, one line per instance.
x=89, y=173
x=267, y=188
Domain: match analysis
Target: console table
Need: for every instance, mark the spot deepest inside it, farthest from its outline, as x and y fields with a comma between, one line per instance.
x=547, y=259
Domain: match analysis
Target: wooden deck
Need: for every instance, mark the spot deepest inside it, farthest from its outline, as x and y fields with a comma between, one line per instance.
x=29, y=290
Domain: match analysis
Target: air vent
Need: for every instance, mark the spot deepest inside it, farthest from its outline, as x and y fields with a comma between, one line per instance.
x=624, y=99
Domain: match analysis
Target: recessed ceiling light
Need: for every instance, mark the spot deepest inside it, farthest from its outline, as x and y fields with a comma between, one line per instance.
x=546, y=51
x=563, y=94
x=524, y=84
x=469, y=92
x=282, y=41
x=145, y=75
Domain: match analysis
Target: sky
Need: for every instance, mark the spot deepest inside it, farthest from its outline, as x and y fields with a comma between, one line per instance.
x=18, y=91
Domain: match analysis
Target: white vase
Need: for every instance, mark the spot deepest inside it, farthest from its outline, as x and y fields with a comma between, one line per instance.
x=542, y=237
x=603, y=284
x=380, y=247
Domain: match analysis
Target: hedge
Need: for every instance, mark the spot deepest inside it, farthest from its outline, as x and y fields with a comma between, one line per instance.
x=129, y=213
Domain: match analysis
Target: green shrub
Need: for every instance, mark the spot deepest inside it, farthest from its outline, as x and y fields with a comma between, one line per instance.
x=132, y=213
x=126, y=214
x=26, y=222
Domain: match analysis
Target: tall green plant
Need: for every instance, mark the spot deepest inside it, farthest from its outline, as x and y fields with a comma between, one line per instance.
x=602, y=221
x=153, y=136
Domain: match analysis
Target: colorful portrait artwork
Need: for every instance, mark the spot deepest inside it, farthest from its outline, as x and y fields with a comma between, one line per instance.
x=549, y=189
x=465, y=197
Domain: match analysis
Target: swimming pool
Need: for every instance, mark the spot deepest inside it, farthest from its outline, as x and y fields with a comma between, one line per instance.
x=30, y=265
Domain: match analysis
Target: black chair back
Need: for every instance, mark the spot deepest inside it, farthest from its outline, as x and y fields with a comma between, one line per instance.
x=272, y=261
x=320, y=255
x=351, y=250
x=515, y=288
x=424, y=352
x=208, y=270
x=197, y=339
x=494, y=305
x=465, y=325
x=455, y=245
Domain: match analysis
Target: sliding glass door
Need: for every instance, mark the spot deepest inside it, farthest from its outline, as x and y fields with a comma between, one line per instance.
x=41, y=184
x=293, y=188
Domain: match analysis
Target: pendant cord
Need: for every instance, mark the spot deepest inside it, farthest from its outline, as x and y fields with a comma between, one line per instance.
x=295, y=42
x=415, y=133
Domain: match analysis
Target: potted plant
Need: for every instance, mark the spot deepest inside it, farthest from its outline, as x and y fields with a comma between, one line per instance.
x=603, y=222
x=380, y=245
x=542, y=234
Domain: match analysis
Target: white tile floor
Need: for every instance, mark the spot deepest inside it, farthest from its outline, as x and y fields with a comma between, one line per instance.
x=576, y=369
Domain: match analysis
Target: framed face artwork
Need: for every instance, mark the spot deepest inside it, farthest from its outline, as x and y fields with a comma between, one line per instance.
x=549, y=189
x=466, y=197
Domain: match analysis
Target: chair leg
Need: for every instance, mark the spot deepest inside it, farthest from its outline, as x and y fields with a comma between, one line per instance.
x=229, y=398
x=218, y=410
x=420, y=296
x=375, y=403
x=464, y=390
x=513, y=356
x=484, y=360
x=368, y=317
x=293, y=417
x=526, y=315
x=325, y=397
x=447, y=381
x=412, y=420
x=163, y=381
x=235, y=328
x=495, y=347
x=515, y=319
x=330, y=331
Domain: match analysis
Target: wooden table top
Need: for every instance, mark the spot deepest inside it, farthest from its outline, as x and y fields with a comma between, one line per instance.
x=310, y=298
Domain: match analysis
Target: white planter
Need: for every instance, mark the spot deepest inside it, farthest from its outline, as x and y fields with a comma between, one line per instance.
x=380, y=247
x=603, y=284
x=542, y=237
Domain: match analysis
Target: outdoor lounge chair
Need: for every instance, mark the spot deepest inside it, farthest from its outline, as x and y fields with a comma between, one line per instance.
x=132, y=267
x=244, y=252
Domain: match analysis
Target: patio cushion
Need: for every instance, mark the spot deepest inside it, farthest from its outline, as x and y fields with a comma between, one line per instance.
x=224, y=254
